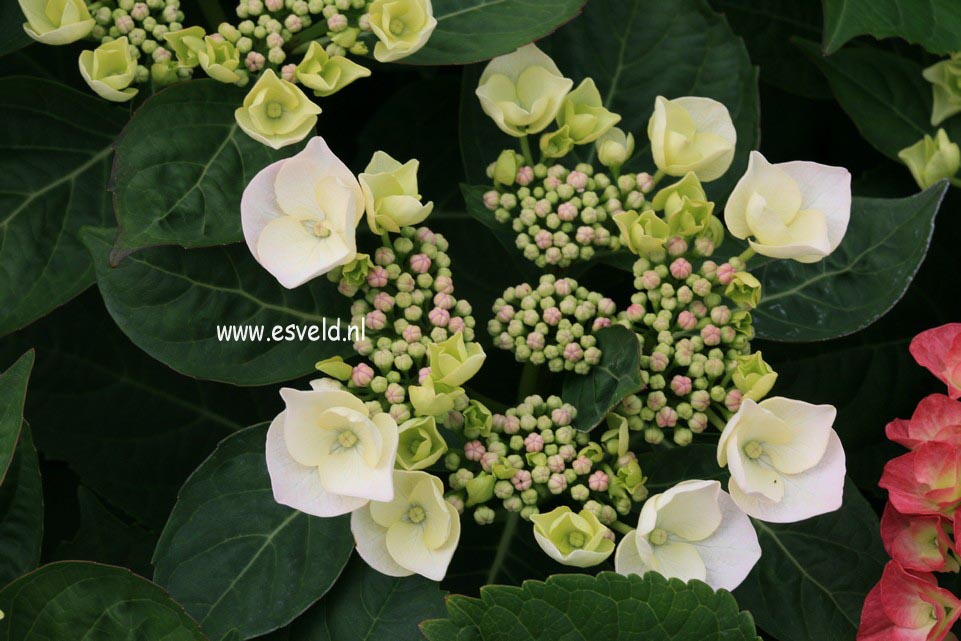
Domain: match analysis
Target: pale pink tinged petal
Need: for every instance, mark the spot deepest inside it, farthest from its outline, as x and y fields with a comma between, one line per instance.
x=690, y=509
x=298, y=486
x=371, y=541
x=816, y=491
x=733, y=550
x=825, y=189
x=294, y=255
x=309, y=167
x=259, y=205
x=808, y=429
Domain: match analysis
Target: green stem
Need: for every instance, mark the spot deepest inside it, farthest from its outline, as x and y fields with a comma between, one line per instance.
x=213, y=13
x=716, y=420
x=528, y=383
x=747, y=255
x=317, y=31
x=526, y=150
x=385, y=238
x=956, y=182
x=623, y=528
x=510, y=526
x=656, y=178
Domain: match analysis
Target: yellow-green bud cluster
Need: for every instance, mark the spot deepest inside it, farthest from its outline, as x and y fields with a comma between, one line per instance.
x=271, y=24
x=559, y=215
x=693, y=334
x=531, y=455
x=552, y=324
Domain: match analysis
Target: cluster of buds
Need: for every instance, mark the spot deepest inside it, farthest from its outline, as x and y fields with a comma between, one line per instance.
x=144, y=23
x=531, y=455
x=553, y=323
x=404, y=301
x=695, y=327
x=560, y=215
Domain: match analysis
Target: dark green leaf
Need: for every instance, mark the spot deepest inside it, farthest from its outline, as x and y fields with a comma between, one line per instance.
x=53, y=176
x=813, y=576
x=238, y=560
x=884, y=94
x=366, y=604
x=21, y=512
x=608, y=606
x=666, y=467
x=617, y=375
x=182, y=165
x=933, y=24
x=106, y=538
x=129, y=427
x=472, y=30
x=13, y=392
x=767, y=27
x=79, y=601
x=861, y=281
x=169, y=302
x=12, y=35
x=635, y=50
x=474, y=198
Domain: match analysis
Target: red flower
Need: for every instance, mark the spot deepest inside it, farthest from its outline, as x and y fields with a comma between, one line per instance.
x=939, y=350
x=916, y=542
x=905, y=606
x=925, y=481
x=937, y=418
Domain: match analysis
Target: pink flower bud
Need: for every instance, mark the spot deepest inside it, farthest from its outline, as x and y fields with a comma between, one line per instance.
x=557, y=483
x=573, y=352
x=444, y=284
x=420, y=263
x=525, y=176
x=337, y=22
x=456, y=324
x=289, y=72
x=124, y=24
x=535, y=340
x=543, y=239
x=441, y=317
x=487, y=461
x=721, y=315
x=561, y=416
x=702, y=287
x=512, y=425
x=577, y=180
x=733, y=400
x=474, y=450
x=650, y=280
x=645, y=182
x=725, y=274
x=563, y=287
x=534, y=442
x=600, y=323
x=666, y=417
x=492, y=200
x=376, y=320
x=395, y=394
x=444, y=301
x=422, y=375
x=598, y=481
x=384, y=302
x=681, y=269
x=686, y=320
x=275, y=41
x=542, y=208
x=635, y=313
x=659, y=361
x=681, y=385
x=521, y=480
x=711, y=335
x=567, y=452
x=704, y=246
x=567, y=212
x=698, y=308
x=362, y=375
x=584, y=235
x=582, y=465
x=425, y=235
x=555, y=463
x=676, y=246
x=698, y=423
x=346, y=289
x=377, y=277
x=551, y=183
x=412, y=333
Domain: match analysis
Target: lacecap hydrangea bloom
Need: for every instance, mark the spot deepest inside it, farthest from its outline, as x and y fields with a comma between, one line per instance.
x=57, y=22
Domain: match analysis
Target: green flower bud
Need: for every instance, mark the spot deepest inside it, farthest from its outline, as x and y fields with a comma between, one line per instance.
x=643, y=234
x=745, y=290
x=945, y=78
x=631, y=478
x=478, y=417
x=578, y=540
x=326, y=75
x=390, y=193
x=109, y=69
x=453, y=362
x=219, y=59
x=615, y=148
x=932, y=159
x=480, y=489
x=433, y=398
x=276, y=112
x=420, y=445
x=617, y=437
x=503, y=469
x=505, y=169
x=556, y=144
x=186, y=43
x=753, y=376
x=584, y=114
x=335, y=367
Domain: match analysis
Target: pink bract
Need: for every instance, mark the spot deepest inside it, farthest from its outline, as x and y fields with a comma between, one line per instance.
x=939, y=350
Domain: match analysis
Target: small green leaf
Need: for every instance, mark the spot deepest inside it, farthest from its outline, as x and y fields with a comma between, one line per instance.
x=813, y=575
x=608, y=606
x=53, y=175
x=80, y=601
x=237, y=559
x=473, y=30
x=860, y=282
x=21, y=512
x=366, y=604
x=635, y=50
x=13, y=393
x=884, y=95
x=181, y=168
x=170, y=302
x=617, y=375
x=933, y=24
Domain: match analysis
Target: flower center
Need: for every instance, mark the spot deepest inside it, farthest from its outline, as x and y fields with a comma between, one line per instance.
x=416, y=514
x=576, y=539
x=657, y=536
x=397, y=26
x=317, y=227
x=753, y=450
x=274, y=110
x=347, y=439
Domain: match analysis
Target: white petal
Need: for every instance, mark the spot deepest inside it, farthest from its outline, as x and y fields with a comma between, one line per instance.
x=816, y=491
x=514, y=64
x=735, y=212
x=626, y=559
x=733, y=549
x=710, y=116
x=259, y=206
x=406, y=543
x=295, y=184
x=679, y=560
x=299, y=486
x=576, y=558
x=371, y=541
x=294, y=255
x=690, y=509
x=825, y=189
x=808, y=429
